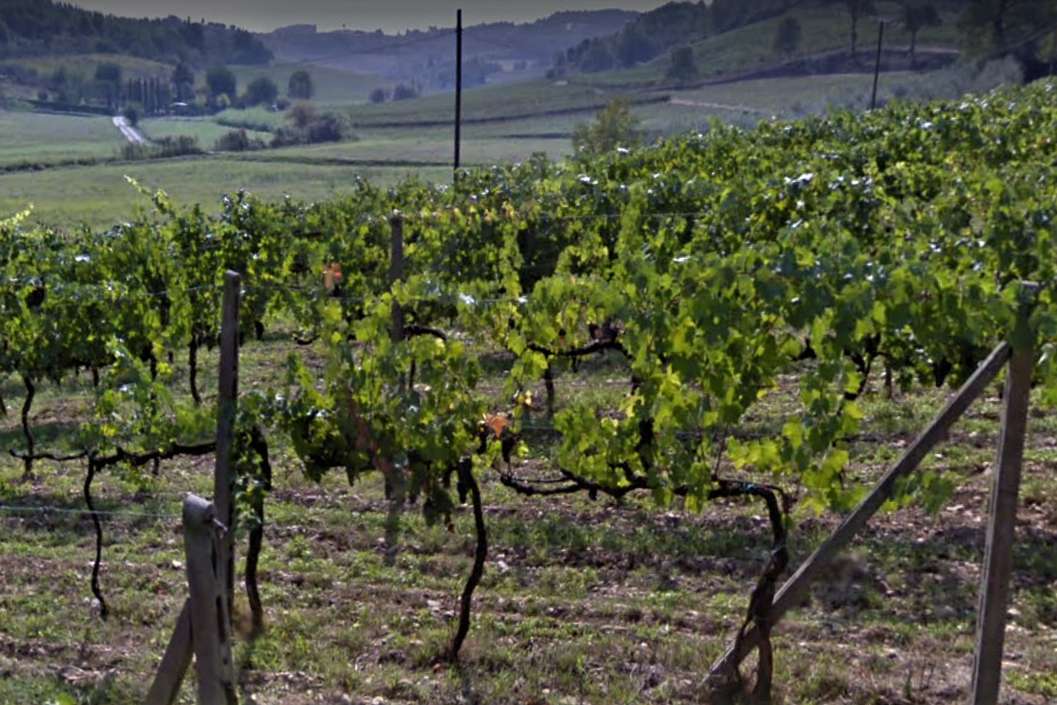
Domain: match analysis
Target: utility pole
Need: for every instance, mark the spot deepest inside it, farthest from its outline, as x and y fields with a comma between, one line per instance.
x=877, y=65
x=458, y=89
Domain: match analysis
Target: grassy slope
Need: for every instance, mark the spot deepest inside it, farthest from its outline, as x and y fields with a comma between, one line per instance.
x=40, y=138
x=581, y=602
x=751, y=47
x=489, y=102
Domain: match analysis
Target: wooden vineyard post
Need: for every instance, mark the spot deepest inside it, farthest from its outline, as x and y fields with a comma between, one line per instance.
x=210, y=618
x=396, y=272
x=224, y=473
x=204, y=625
x=395, y=473
x=795, y=589
x=1001, y=523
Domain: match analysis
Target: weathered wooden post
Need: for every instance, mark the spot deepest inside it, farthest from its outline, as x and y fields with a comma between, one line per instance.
x=204, y=625
x=1002, y=518
x=227, y=408
x=395, y=480
x=396, y=272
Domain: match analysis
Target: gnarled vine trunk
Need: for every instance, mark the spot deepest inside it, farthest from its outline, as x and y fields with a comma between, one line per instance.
x=468, y=483
x=27, y=432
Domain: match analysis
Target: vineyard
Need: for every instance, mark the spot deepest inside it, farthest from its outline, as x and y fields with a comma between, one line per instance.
x=704, y=326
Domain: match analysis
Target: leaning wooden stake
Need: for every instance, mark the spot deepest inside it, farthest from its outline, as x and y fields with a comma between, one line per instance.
x=174, y=663
x=1002, y=519
x=796, y=588
x=204, y=626
x=224, y=473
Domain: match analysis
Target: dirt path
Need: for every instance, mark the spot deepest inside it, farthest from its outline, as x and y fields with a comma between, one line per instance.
x=131, y=133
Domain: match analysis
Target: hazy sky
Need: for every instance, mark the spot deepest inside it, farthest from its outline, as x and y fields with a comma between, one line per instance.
x=390, y=15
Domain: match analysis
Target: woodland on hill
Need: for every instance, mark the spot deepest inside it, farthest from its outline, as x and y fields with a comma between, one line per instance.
x=45, y=27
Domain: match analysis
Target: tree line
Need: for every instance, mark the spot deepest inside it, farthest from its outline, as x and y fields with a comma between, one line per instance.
x=109, y=86
x=39, y=27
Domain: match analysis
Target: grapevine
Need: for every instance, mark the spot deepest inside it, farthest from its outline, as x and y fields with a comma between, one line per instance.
x=703, y=268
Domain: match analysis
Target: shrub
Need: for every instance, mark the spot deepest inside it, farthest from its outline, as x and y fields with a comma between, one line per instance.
x=161, y=148
x=378, y=95
x=301, y=115
x=132, y=115
x=683, y=67
x=261, y=91
x=328, y=127
x=309, y=127
x=404, y=92
x=614, y=127
x=238, y=141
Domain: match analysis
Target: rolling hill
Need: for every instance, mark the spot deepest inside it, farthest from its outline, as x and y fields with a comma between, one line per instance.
x=503, y=49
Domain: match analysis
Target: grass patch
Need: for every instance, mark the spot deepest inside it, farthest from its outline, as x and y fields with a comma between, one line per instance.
x=42, y=138
x=99, y=196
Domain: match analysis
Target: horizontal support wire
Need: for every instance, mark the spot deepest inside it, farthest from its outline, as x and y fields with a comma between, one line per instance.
x=440, y=298
x=31, y=509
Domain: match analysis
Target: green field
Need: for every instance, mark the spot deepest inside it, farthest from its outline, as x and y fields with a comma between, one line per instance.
x=486, y=103
x=206, y=131
x=100, y=196
x=42, y=138
x=249, y=118
x=434, y=145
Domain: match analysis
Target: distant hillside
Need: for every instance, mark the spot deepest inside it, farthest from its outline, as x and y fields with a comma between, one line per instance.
x=658, y=31
x=428, y=55
x=44, y=27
